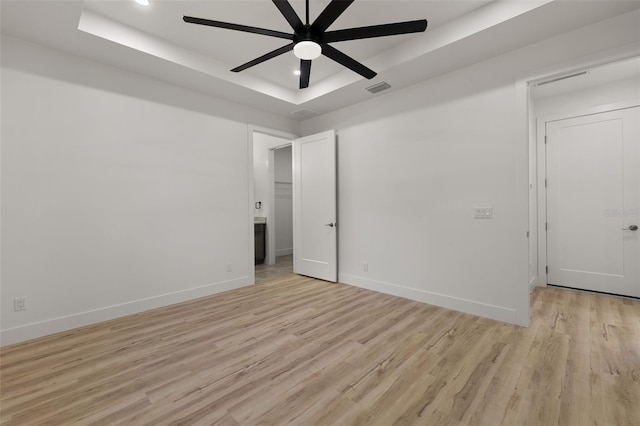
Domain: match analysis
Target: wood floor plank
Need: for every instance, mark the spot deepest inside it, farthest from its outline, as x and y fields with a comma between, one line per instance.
x=294, y=350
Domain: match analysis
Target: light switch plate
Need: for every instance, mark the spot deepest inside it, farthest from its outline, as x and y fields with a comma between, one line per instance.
x=483, y=213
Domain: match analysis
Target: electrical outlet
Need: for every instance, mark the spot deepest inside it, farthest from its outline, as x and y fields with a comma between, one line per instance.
x=20, y=304
x=229, y=267
x=365, y=266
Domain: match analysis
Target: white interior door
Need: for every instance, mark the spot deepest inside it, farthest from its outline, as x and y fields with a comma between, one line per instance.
x=314, y=206
x=593, y=202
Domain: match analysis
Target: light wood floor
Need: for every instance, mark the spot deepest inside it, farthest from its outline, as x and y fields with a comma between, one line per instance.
x=307, y=352
x=282, y=268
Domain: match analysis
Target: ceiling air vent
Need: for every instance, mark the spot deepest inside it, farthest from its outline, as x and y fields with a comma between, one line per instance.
x=564, y=77
x=379, y=87
x=304, y=113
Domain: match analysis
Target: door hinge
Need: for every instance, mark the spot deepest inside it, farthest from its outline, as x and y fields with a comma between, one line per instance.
x=546, y=269
x=545, y=183
x=546, y=226
x=527, y=234
x=545, y=139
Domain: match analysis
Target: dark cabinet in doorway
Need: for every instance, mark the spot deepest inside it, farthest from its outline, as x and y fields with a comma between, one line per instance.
x=260, y=240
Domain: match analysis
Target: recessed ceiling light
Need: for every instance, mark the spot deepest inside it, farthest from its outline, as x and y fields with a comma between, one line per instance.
x=143, y=2
x=297, y=72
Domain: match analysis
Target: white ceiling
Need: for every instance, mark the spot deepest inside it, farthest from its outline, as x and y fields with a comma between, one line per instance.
x=155, y=41
x=163, y=19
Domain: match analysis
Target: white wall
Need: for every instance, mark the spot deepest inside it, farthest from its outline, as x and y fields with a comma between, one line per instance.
x=283, y=160
x=284, y=201
x=263, y=178
x=119, y=193
x=413, y=164
x=604, y=94
x=262, y=145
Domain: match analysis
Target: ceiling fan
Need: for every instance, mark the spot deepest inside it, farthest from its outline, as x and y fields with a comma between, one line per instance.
x=309, y=41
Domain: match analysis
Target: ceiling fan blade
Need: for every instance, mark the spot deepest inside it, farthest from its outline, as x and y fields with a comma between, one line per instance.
x=237, y=27
x=264, y=57
x=289, y=14
x=347, y=61
x=305, y=73
x=383, y=30
x=329, y=15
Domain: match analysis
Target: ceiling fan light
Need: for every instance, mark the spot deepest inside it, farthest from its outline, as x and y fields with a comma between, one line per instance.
x=307, y=50
x=142, y=2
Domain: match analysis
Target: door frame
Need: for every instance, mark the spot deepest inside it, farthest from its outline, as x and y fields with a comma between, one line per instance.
x=541, y=124
x=251, y=130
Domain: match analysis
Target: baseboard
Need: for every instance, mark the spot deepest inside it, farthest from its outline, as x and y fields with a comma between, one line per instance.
x=68, y=322
x=284, y=252
x=532, y=283
x=498, y=313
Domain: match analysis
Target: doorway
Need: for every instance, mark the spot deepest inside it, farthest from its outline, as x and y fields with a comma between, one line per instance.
x=271, y=192
x=280, y=244
x=588, y=185
x=293, y=194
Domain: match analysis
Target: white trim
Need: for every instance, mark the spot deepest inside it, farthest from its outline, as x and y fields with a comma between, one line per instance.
x=498, y=313
x=590, y=111
x=250, y=204
x=284, y=145
x=284, y=252
x=533, y=283
x=271, y=132
x=541, y=161
x=521, y=198
x=533, y=182
x=270, y=233
x=68, y=322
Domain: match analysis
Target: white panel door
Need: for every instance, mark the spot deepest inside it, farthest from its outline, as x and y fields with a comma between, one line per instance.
x=314, y=206
x=593, y=202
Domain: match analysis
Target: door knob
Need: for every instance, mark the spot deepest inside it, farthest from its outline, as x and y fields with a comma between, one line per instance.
x=330, y=225
x=631, y=228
